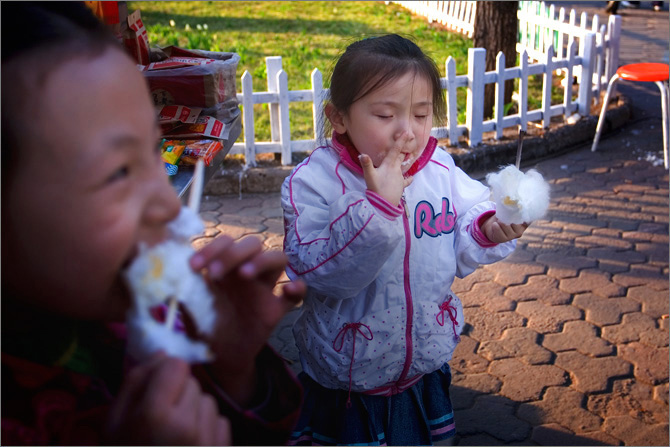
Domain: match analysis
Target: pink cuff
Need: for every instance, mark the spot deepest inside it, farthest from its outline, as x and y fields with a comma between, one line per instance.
x=476, y=230
x=387, y=209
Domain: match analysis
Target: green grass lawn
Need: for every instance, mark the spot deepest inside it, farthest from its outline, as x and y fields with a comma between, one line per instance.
x=306, y=34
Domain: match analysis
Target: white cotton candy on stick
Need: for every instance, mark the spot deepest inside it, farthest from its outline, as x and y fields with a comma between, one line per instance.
x=520, y=198
x=160, y=275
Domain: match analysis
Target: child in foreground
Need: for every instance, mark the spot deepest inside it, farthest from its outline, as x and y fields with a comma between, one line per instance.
x=82, y=186
x=378, y=223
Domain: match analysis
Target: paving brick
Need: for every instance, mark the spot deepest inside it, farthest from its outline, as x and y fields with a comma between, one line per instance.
x=521, y=343
x=466, y=387
x=554, y=434
x=487, y=294
x=546, y=319
x=613, y=261
x=657, y=253
x=654, y=228
x=655, y=303
x=541, y=288
x=512, y=273
x=632, y=398
x=594, y=281
x=604, y=311
x=646, y=236
x=231, y=205
x=523, y=383
x=561, y=266
x=630, y=328
x=492, y=415
x=465, y=358
x=643, y=274
x=563, y=406
x=488, y=325
x=240, y=226
x=635, y=432
x=608, y=202
x=661, y=394
x=589, y=374
x=477, y=439
x=482, y=274
x=651, y=364
x=581, y=336
x=598, y=240
x=209, y=203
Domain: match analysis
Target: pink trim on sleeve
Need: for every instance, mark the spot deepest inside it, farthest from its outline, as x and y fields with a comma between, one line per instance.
x=387, y=209
x=476, y=230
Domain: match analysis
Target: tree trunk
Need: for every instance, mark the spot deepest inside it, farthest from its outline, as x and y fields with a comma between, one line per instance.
x=496, y=30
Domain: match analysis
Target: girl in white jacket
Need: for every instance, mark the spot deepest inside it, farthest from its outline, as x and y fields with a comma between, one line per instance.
x=378, y=223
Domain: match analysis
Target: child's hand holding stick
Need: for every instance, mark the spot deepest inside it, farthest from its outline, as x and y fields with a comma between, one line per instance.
x=161, y=403
x=244, y=277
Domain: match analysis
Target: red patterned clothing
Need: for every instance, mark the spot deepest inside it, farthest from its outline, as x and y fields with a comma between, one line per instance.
x=65, y=402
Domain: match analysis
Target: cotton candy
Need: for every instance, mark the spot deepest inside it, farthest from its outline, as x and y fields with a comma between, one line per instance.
x=519, y=197
x=158, y=274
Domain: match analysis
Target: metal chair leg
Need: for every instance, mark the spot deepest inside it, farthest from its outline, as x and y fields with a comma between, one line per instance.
x=666, y=122
x=603, y=110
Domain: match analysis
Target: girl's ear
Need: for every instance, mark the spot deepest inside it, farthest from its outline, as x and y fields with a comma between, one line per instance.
x=336, y=119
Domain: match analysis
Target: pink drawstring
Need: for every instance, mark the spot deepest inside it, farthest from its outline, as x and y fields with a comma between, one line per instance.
x=355, y=327
x=452, y=312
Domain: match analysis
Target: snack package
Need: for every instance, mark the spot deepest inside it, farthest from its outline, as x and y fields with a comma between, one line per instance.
x=204, y=126
x=176, y=62
x=204, y=149
x=210, y=82
x=180, y=114
x=171, y=151
x=136, y=40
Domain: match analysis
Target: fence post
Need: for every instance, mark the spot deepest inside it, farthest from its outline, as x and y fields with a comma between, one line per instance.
x=284, y=120
x=475, y=98
x=586, y=84
x=523, y=92
x=614, y=34
x=500, y=94
x=567, y=94
x=547, y=79
x=452, y=111
x=317, y=105
x=274, y=66
x=248, y=120
x=560, y=51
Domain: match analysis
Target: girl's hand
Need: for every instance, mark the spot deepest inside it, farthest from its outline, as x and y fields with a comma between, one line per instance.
x=161, y=403
x=244, y=278
x=387, y=179
x=499, y=232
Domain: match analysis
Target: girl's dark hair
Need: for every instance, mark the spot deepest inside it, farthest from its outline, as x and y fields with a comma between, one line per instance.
x=37, y=37
x=371, y=63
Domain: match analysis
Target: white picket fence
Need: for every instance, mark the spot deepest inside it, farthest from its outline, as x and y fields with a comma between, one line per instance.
x=539, y=26
x=588, y=55
x=458, y=16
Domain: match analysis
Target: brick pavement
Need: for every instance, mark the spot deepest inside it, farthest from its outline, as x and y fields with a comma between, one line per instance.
x=566, y=341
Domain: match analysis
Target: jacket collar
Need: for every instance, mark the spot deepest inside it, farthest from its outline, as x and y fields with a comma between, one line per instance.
x=349, y=154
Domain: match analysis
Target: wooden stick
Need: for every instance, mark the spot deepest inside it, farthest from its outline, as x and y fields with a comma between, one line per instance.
x=196, y=186
x=172, y=312
x=518, y=148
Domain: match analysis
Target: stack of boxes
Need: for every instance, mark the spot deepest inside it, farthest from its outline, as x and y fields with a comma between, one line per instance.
x=194, y=91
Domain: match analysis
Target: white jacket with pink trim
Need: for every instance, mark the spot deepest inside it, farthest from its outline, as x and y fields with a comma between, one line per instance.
x=379, y=311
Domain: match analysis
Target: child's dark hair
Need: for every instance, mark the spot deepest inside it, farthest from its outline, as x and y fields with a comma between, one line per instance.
x=370, y=63
x=37, y=37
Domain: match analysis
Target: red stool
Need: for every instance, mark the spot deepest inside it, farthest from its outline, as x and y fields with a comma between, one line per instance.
x=643, y=72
